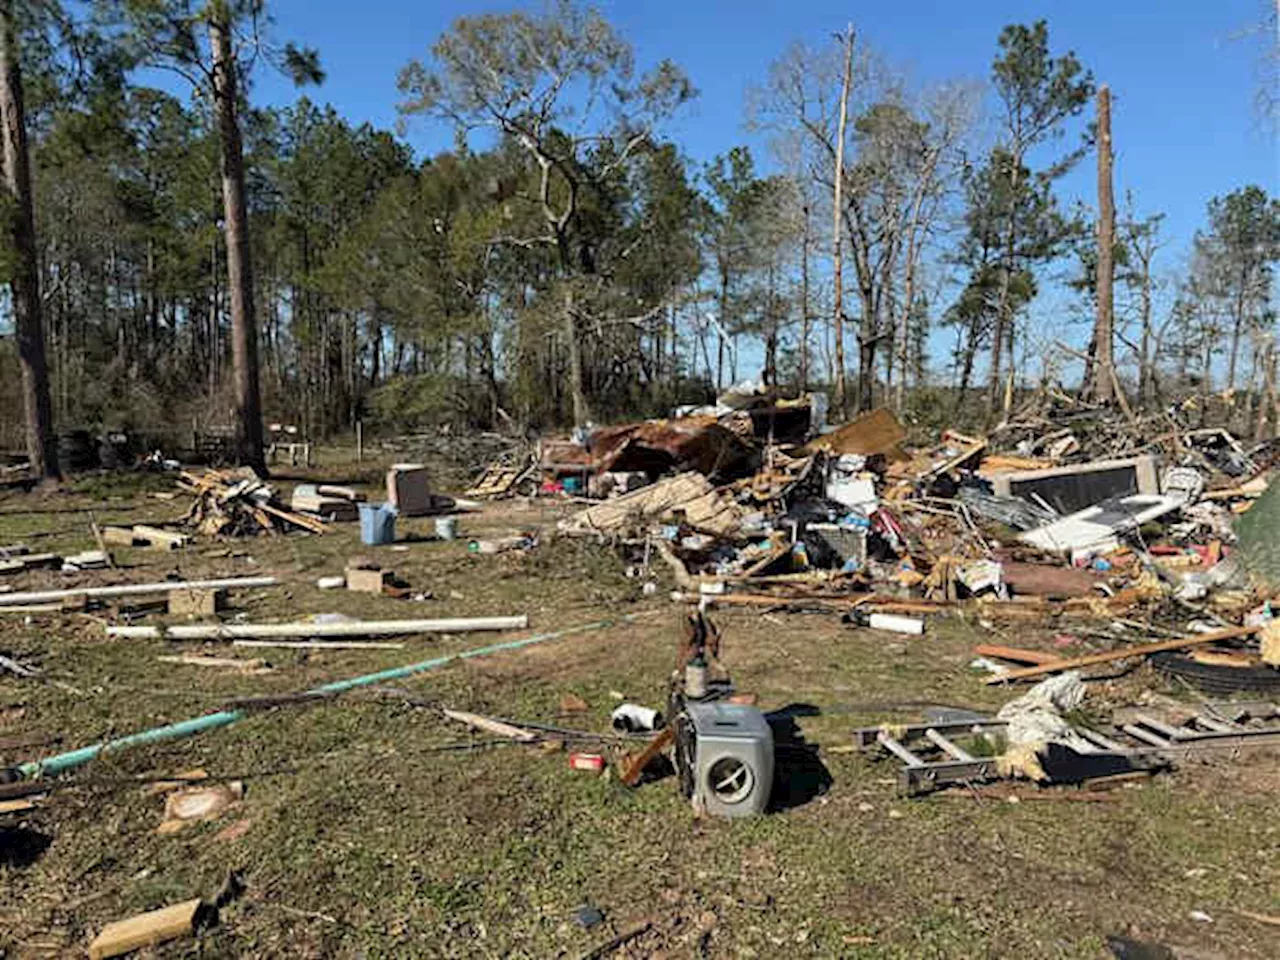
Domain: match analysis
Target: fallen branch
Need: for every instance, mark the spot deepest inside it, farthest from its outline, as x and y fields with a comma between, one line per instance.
x=1124, y=653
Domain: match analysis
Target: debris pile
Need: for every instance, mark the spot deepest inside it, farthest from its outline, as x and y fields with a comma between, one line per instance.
x=237, y=503
x=1039, y=521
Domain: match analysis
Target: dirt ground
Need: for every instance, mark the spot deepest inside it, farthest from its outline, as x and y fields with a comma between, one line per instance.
x=373, y=827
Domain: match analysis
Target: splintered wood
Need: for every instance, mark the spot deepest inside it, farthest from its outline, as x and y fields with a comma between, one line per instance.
x=703, y=508
x=238, y=503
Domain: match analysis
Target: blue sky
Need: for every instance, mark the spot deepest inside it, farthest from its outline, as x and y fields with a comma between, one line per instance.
x=1183, y=80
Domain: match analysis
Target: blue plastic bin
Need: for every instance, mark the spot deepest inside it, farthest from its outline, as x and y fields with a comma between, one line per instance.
x=377, y=523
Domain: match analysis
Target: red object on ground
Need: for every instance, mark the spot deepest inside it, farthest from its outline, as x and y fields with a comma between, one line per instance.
x=586, y=761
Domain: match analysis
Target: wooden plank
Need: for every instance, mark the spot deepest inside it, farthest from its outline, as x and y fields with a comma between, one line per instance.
x=635, y=765
x=1016, y=654
x=1124, y=653
x=97, y=538
x=496, y=727
x=145, y=930
x=159, y=539
x=315, y=526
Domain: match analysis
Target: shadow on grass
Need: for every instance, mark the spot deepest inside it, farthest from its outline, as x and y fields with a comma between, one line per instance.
x=799, y=775
x=21, y=847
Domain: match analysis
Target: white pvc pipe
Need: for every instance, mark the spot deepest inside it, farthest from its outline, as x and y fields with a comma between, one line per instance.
x=317, y=644
x=302, y=631
x=889, y=621
x=134, y=589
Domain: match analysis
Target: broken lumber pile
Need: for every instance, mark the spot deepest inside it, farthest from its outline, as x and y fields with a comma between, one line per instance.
x=238, y=503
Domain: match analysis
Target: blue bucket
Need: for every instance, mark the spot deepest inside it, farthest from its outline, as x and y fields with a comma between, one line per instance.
x=377, y=523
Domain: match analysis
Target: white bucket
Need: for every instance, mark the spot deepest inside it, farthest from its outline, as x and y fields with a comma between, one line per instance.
x=447, y=528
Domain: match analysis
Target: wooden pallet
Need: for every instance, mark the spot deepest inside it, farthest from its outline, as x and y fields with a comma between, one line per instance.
x=498, y=480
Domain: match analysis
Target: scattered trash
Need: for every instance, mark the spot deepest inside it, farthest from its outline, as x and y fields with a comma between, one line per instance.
x=633, y=718
x=590, y=762
x=588, y=916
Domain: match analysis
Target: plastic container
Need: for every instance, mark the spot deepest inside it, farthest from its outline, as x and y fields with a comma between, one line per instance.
x=447, y=528
x=377, y=524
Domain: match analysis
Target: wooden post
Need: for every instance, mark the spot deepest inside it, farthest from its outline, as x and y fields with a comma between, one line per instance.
x=359, y=441
x=1103, y=386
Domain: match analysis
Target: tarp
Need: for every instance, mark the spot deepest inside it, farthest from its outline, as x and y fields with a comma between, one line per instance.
x=1257, y=529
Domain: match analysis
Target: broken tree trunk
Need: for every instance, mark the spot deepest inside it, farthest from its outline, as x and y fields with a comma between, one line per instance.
x=1104, y=387
x=244, y=329
x=837, y=241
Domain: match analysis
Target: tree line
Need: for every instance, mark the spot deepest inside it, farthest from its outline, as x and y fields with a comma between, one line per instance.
x=177, y=255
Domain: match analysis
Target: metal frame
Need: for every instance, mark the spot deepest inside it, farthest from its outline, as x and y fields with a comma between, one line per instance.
x=1158, y=743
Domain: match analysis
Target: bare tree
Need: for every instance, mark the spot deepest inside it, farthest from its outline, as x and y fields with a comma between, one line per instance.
x=894, y=161
x=24, y=282
x=1141, y=240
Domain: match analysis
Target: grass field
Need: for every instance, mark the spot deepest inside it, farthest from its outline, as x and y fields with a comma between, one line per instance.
x=373, y=827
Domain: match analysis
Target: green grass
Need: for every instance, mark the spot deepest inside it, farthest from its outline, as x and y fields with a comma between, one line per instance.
x=366, y=840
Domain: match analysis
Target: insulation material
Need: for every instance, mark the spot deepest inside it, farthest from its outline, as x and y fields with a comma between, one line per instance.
x=1036, y=719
